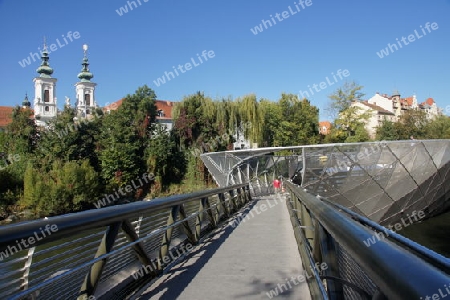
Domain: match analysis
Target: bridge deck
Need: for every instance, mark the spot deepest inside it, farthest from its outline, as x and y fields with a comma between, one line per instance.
x=249, y=261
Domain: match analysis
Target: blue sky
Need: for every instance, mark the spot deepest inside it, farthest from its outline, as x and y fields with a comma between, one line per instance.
x=137, y=48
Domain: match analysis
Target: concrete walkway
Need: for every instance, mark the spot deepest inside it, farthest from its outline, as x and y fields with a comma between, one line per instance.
x=250, y=259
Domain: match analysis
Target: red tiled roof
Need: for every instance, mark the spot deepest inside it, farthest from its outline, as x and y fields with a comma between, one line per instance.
x=166, y=107
x=429, y=101
x=327, y=126
x=113, y=106
x=409, y=100
x=376, y=107
x=325, y=123
x=5, y=115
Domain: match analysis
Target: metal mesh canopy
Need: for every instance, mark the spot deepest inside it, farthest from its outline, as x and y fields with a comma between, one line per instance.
x=383, y=181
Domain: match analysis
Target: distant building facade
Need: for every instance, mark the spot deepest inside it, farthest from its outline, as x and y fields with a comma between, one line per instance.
x=391, y=108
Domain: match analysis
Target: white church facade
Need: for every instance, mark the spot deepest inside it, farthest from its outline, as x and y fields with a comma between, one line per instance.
x=45, y=101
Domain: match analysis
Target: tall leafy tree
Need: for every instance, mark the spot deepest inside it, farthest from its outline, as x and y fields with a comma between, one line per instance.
x=352, y=121
x=412, y=122
x=164, y=159
x=387, y=131
x=272, y=131
x=21, y=134
x=70, y=138
x=124, y=137
x=342, y=98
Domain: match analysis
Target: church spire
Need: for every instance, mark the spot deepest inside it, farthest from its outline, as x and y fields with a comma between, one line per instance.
x=85, y=75
x=26, y=103
x=44, y=70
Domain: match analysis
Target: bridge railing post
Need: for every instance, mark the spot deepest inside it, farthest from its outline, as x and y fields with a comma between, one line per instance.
x=27, y=267
x=224, y=205
x=93, y=277
x=187, y=230
x=132, y=236
x=167, y=237
x=234, y=201
x=199, y=219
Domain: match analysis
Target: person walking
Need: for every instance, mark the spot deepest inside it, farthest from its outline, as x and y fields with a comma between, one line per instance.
x=276, y=185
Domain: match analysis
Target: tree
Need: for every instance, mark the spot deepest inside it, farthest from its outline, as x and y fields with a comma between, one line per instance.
x=164, y=160
x=438, y=128
x=352, y=121
x=251, y=114
x=342, y=98
x=70, y=138
x=272, y=119
x=387, y=131
x=124, y=136
x=66, y=187
x=21, y=133
x=413, y=122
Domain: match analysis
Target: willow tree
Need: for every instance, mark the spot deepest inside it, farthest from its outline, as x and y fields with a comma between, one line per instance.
x=252, y=118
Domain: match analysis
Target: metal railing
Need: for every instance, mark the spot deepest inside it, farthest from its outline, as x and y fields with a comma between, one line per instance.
x=96, y=254
x=389, y=268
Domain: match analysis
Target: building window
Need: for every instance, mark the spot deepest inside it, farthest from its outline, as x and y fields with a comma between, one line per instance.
x=87, y=99
x=88, y=112
x=46, y=96
x=47, y=108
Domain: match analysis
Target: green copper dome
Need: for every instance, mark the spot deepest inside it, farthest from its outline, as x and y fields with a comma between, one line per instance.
x=26, y=102
x=85, y=75
x=45, y=70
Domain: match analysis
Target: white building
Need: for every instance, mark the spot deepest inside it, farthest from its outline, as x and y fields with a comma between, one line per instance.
x=384, y=107
x=398, y=105
x=376, y=115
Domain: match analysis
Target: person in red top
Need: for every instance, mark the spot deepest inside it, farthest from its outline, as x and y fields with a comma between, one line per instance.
x=277, y=185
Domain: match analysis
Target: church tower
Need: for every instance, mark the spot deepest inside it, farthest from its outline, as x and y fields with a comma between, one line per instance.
x=45, y=107
x=26, y=103
x=85, y=89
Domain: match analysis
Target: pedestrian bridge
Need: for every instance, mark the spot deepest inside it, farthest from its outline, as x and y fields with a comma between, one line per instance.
x=324, y=236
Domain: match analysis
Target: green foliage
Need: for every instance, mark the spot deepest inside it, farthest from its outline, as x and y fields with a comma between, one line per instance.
x=250, y=113
x=70, y=139
x=164, y=160
x=438, y=128
x=387, y=131
x=21, y=135
x=412, y=123
x=124, y=136
x=352, y=121
x=272, y=119
x=66, y=187
x=336, y=135
x=289, y=121
x=342, y=98
x=10, y=190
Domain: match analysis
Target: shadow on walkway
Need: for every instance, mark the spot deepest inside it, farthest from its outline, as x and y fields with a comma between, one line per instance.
x=171, y=284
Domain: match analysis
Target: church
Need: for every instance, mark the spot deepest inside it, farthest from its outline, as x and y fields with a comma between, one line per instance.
x=45, y=101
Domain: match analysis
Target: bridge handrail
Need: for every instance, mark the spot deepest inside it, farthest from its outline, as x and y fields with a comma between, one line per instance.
x=195, y=220
x=398, y=273
x=95, y=218
x=432, y=257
